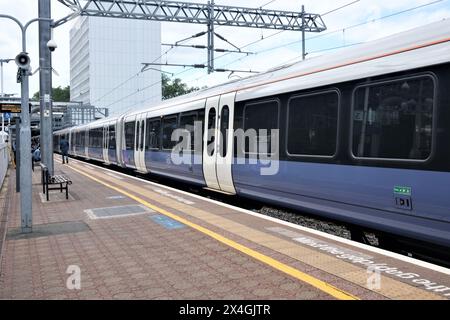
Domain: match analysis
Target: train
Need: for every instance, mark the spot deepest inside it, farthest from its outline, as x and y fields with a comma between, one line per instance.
x=363, y=137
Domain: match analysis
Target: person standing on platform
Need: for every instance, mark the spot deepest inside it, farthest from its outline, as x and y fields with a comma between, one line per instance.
x=64, y=147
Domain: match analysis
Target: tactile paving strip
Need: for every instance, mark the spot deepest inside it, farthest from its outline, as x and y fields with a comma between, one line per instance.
x=117, y=212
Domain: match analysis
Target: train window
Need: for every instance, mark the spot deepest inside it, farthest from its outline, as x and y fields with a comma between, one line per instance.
x=112, y=137
x=224, y=125
x=99, y=140
x=153, y=134
x=260, y=116
x=187, y=121
x=169, y=125
x=129, y=135
x=312, y=124
x=91, y=138
x=141, y=147
x=138, y=133
x=83, y=138
x=394, y=120
x=95, y=138
x=200, y=119
x=211, y=131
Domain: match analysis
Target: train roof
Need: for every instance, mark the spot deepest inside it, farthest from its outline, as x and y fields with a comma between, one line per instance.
x=419, y=47
x=94, y=124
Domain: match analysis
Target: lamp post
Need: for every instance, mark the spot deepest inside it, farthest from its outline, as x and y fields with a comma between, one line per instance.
x=25, y=130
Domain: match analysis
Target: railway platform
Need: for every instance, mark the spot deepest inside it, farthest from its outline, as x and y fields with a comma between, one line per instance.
x=121, y=237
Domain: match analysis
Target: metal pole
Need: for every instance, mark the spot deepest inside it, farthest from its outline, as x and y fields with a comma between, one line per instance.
x=26, y=202
x=303, y=34
x=25, y=161
x=45, y=82
x=18, y=154
x=210, y=36
x=25, y=138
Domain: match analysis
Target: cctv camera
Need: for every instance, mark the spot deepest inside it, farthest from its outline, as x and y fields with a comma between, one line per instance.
x=51, y=44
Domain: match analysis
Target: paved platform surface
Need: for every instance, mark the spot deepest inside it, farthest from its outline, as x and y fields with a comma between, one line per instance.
x=132, y=239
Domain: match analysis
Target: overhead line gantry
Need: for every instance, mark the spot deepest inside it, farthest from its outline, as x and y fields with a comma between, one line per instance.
x=200, y=13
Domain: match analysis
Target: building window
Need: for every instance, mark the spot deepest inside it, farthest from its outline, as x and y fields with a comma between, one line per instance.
x=394, y=120
x=312, y=124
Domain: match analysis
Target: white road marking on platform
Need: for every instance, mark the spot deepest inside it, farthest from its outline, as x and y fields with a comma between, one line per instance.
x=386, y=253
x=114, y=175
x=172, y=196
x=357, y=258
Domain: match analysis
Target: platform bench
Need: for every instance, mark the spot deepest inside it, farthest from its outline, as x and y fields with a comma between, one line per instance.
x=48, y=180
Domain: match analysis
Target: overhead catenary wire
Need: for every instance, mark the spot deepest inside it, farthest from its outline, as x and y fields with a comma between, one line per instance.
x=266, y=4
x=130, y=78
x=341, y=29
x=282, y=31
x=144, y=88
x=296, y=42
x=165, y=53
x=275, y=34
x=341, y=7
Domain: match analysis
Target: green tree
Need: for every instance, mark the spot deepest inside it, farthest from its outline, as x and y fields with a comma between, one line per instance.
x=59, y=94
x=174, y=88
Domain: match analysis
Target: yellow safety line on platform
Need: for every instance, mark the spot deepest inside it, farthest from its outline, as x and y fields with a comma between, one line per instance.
x=319, y=284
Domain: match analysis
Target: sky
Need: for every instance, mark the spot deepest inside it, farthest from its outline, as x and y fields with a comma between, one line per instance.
x=271, y=51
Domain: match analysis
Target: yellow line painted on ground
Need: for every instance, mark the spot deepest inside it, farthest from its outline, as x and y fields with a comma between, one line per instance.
x=319, y=284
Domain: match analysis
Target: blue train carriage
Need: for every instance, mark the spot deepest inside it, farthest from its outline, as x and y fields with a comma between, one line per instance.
x=96, y=141
x=363, y=136
x=146, y=142
x=58, y=136
x=78, y=145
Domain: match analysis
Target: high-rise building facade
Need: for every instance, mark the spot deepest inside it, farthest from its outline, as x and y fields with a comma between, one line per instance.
x=105, y=63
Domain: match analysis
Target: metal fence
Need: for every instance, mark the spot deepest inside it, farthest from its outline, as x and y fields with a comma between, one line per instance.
x=4, y=161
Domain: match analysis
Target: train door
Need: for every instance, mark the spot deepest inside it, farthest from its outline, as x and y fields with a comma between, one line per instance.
x=71, y=142
x=105, y=143
x=139, y=147
x=112, y=143
x=218, y=138
x=120, y=140
x=225, y=143
x=129, y=143
x=86, y=142
x=209, y=150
